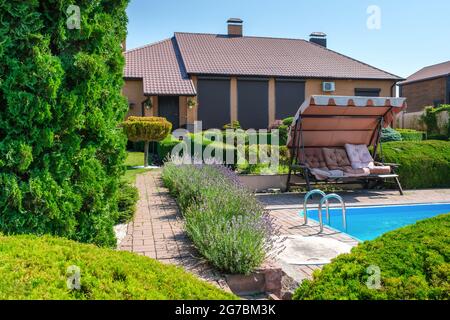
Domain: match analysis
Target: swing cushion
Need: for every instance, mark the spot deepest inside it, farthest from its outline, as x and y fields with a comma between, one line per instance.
x=336, y=159
x=314, y=158
x=359, y=156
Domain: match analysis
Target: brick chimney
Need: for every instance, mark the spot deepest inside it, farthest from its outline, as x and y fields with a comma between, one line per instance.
x=235, y=27
x=319, y=38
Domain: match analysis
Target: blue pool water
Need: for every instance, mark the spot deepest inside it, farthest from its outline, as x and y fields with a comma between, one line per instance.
x=367, y=223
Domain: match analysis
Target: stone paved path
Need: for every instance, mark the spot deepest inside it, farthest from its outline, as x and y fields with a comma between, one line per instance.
x=157, y=230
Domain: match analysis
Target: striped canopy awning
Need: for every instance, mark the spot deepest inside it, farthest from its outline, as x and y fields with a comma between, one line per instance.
x=333, y=121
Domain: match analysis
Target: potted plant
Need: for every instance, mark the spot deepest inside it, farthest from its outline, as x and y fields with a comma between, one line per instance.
x=191, y=103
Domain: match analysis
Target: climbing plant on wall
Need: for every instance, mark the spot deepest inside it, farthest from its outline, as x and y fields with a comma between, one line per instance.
x=61, y=150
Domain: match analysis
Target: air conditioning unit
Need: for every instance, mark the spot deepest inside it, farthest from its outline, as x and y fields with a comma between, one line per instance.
x=328, y=86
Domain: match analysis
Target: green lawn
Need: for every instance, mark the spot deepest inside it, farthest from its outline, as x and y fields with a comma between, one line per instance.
x=133, y=159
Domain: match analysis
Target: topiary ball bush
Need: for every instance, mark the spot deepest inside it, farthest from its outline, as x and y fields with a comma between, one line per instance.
x=146, y=128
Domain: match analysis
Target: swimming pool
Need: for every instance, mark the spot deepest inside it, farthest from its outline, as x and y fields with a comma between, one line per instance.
x=367, y=223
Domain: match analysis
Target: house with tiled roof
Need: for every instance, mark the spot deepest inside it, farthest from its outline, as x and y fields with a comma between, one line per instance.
x=220, y=78
x=429, y=86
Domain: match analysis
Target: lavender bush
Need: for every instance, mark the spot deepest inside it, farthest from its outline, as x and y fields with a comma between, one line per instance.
x=227, y=224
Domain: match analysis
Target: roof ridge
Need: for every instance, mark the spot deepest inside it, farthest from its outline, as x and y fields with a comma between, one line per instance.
x=412, y=77
x=356, y=60
x=148, y=45
x=306, y=41
x=233, y=37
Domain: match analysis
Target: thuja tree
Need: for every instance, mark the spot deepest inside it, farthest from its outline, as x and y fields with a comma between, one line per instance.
x=61, y=149
x=146, y=129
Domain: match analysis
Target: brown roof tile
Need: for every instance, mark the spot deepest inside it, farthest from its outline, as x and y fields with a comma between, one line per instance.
x=259, y=56
x=430, y=72
x=161, y=69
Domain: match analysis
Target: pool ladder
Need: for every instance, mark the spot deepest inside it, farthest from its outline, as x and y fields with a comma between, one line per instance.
x=325, y=201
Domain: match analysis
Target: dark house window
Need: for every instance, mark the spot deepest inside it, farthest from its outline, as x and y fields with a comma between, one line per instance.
x=367, y=92
x=253, y=103
x=289, y=94
x=213, y=102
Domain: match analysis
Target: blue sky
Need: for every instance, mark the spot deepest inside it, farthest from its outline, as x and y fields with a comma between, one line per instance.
x=413, y=33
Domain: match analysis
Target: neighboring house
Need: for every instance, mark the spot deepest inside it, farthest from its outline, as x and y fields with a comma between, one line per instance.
x=254, y=80
x=427, y=87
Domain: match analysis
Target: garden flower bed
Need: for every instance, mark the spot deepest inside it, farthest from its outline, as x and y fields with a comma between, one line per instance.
x=226, y=223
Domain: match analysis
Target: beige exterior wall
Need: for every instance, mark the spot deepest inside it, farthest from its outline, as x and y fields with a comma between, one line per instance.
x=347, y=87
x=134, y=92
x=192, y=113
x=183, y=110
x=272, y=101
x=233, y=99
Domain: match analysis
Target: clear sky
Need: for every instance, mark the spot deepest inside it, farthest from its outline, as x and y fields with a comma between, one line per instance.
x=409, y=35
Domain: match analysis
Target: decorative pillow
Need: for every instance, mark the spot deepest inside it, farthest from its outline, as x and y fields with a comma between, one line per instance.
x=314, y=158
x=359, y=156
x=380, y=170
x=336, y=159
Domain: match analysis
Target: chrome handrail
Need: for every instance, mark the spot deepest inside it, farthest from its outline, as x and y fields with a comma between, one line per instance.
x=305, y=202
x=325, y=200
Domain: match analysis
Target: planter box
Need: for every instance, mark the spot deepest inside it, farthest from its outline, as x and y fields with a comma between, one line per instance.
x=267, y=279
x=261, y=183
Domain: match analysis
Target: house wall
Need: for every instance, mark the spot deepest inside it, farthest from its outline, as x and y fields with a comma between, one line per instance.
x=347, y=87
x=133, y=90
x=424, y=93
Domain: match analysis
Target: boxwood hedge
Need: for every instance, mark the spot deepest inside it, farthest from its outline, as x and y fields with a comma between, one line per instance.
x=424, y=164
x=414, y=262
x=37, y=268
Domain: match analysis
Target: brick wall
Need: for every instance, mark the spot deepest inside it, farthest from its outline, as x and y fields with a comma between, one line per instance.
x=424, y=93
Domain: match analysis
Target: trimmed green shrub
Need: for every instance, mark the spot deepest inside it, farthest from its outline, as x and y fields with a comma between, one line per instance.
x=128, y=197
x=288, y=121
x=424, y=164
x=283, y=132
x=389, y=134
x=61, y=150
x=226, y=223
x=253, y=152
x=233, y=125
x=411, y=135
x=164, y=147
x=414, y=262
x=37, y=268
x=146, y=129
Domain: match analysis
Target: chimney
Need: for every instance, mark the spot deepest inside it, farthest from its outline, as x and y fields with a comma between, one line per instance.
x=235, y=27
x=319, y=38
